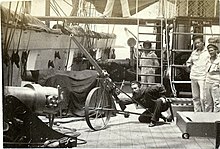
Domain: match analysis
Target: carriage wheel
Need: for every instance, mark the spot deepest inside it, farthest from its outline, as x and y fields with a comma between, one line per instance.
x=98, y=108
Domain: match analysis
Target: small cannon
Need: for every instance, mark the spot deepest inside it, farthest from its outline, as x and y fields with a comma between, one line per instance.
x=41, y=100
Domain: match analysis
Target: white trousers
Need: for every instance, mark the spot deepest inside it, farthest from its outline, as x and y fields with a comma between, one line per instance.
x=147, y=79
x=212, y=97
x=109, y=8
x=198, y=95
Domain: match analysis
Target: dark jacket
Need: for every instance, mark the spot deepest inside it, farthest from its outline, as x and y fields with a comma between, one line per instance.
x=147, y=95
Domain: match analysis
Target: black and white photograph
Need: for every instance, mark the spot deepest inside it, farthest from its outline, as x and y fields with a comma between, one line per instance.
x=110, y=74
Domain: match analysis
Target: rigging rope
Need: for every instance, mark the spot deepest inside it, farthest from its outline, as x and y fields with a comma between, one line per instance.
x=169, y=69
x=59, y=7
x=6, y=56
x=7, y=22
x=211, y=30
x=54, y=9
x=22, y=19
x=106, y=44
x=11, y=34
x=68, y=3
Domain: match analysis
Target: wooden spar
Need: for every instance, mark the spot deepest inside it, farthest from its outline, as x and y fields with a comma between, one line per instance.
x=86, y=53
x=120, y=20
x=98, y=20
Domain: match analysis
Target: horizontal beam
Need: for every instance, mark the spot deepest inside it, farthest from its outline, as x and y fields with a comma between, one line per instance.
x=99, y=20
x=126, y=21
x=182, y=33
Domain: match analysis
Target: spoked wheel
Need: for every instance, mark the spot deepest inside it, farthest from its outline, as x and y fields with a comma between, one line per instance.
x=98, y=108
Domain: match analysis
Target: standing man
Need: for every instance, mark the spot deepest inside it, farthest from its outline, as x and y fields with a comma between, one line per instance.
x=109, y=8
x=212, y=83
x=197, y=64
x=148, y=58
x=153, y=99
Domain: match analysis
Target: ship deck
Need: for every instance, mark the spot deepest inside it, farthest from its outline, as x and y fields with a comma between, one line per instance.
x=130, y=133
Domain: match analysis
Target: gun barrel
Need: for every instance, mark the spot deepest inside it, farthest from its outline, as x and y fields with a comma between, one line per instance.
x=35, y=97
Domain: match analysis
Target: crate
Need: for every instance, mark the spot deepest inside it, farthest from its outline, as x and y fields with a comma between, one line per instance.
x=197, y=8
x=197, y=124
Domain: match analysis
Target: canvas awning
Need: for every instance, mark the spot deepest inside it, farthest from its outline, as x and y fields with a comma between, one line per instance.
x=100, y=6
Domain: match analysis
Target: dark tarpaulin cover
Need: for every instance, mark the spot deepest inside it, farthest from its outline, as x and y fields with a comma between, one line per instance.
x=75, y=84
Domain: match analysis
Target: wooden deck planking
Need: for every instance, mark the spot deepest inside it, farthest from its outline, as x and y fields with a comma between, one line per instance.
x=137, y=140
x=148, y=140
x=158, y=137
x=172, y=140
x=204, y=143
x=130, y=133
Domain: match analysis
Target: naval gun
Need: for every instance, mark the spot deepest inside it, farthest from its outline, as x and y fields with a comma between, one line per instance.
x=40, y=99
x=22, y=127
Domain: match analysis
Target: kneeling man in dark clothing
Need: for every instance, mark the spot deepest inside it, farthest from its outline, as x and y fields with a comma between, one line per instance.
x=152, y=99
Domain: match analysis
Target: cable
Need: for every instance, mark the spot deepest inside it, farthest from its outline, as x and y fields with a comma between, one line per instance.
x=7, y=22
x=54, y=9
x=112, y=33
x=68, y=3
x=60, y=8
x=211, y=30
x=106, y=44
x=168, y=56
x=11, y=34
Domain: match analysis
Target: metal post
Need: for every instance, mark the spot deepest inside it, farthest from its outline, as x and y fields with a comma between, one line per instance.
x=47, y=11
x=132, y=56
x=28, y=7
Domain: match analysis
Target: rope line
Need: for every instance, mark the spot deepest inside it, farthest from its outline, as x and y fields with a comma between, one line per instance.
x=59, y=7
x=57, y=13
x=11, y=34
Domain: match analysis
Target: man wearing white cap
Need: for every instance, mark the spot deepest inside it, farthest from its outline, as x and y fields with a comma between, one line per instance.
x=212, y=83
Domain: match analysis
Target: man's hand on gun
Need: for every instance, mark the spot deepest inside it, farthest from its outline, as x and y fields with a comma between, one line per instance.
x=120, y=102
x=118, y=91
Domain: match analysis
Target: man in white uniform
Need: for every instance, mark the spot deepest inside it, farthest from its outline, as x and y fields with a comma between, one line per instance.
x=197, y=64
x=212, y=83
x=148, y=58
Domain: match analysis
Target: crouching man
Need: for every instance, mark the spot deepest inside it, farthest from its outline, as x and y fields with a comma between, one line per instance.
x=153, y=100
